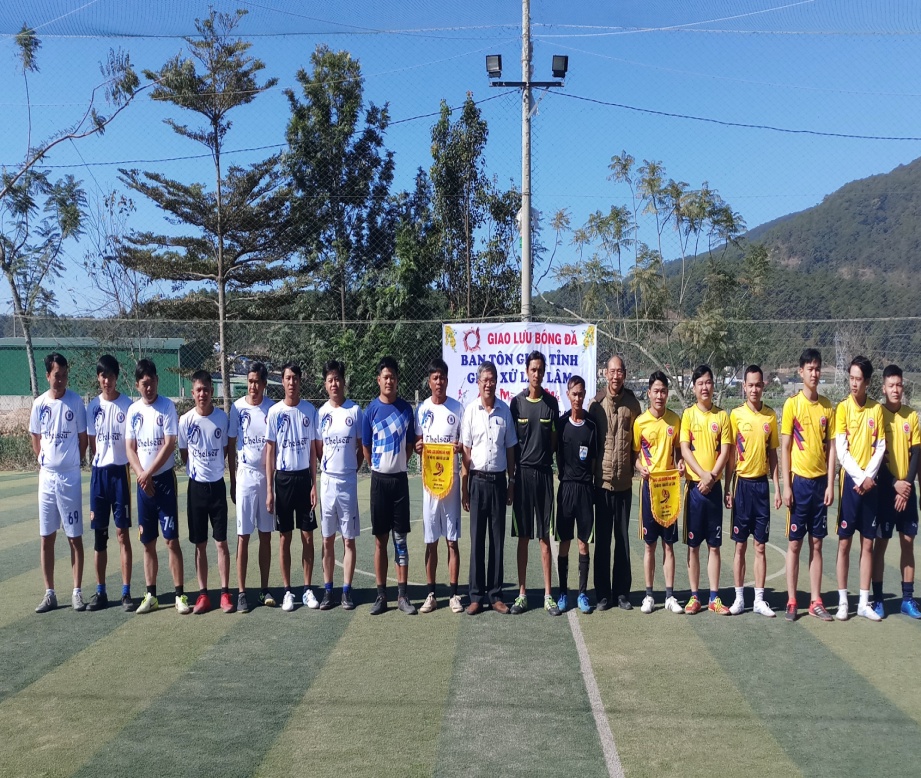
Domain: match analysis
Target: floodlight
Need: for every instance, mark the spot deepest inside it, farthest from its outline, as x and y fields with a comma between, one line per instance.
x=494, y=65
x=560, y=65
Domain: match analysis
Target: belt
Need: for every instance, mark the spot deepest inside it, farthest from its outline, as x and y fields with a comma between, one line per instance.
x=483, y=475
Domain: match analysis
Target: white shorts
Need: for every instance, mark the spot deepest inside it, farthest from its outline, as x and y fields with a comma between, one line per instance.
x=60, y=503
x=252, y=491
x=339, y=505
x=442, y=518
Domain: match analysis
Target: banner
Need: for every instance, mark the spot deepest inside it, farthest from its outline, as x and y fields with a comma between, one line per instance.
x=438, y=468
x=569, y=350
x=665, y=496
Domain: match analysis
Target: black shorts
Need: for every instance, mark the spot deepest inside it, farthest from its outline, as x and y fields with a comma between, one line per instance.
x=292, y=499
x=389, y=503
x=206, y=503
x=575, y=511
x=532, y=508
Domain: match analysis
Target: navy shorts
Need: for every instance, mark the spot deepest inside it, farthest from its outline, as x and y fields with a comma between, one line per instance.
x=856, y=512
x=887, y=517
x=651, y=529
x=110, y=493
x=160, y=511
x=751, y=510
x=809, y=512
x=703, y=516
x=575, y=511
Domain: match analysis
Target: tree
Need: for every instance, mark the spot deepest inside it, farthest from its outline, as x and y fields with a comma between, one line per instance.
x=32, y=244
x=239, y=239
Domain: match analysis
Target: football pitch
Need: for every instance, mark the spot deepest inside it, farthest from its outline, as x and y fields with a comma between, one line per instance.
x=270, y=693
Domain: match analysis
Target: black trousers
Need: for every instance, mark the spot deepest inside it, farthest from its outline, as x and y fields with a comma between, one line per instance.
x=487, y=517
x=612, y=520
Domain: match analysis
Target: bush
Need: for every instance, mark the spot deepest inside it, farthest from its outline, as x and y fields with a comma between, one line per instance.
x=16, y=452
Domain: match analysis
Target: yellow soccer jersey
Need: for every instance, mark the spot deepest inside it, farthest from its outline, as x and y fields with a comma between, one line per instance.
x=657, y=439
x=754, y=433
x=707, y=432
x=862, y=426
x=810, y=425
x=902, y=432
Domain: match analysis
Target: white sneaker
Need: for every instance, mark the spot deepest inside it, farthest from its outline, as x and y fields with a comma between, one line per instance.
x=182, y=605
x=456, y=605
x=76, y=601
x=672, y=606
x=763, y=609
x=841, y=614
x=648, y=604
x=429, y=605
x=287, y=602
x=148, y=604
x=867, y=612
x=310, y=600
x=737, y=607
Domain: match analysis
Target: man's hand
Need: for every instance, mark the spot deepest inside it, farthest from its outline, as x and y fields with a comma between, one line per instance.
x=788, y=496
x=727, y=499
x=510, y=494
x=270, y=502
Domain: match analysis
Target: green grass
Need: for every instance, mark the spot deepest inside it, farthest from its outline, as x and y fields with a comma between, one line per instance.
x=275, y=694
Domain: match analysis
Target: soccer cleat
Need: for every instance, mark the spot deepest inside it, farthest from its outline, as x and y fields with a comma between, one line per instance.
x=673, y=606
x=267, y=599
x=406, y=606
x=763, y=609
x=150, y=603
x=456, y=604
x=310, y=600
x=867, y=612
x=202, y=604
x=718, y=608
x=128, y=605
x=841, y=614
x=790, y=612
x=49, y=603
x=737, y=607
x=584, y=605
x=347, y=604
x=379, y=606
x=429, y=605
x=563, y=603
x=76, y=602
x=182, y=605
x=550, y=605
x=327, y=602
x=879, y=609
x=648, y=604
x=98, y=601
x=287, y=602
x=242, y=604
x=226, y=602
x=693, y=606
x=519, y=606
x=817, y=609
x=910, y=608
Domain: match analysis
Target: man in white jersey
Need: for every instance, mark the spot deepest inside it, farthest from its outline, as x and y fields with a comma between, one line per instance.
x=205, y=438
x=58, y=429
x=248, y=417
x=340, y=457
x=106, y=419
x=291, y=473
x=438, y=421
x=153, y=426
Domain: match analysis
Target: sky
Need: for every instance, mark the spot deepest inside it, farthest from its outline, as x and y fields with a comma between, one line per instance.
x=774, y=104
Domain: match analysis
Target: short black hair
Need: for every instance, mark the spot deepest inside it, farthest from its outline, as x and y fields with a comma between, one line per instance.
x=753, y=369
x=260, y=369
x=865, y=365
x=334, y=366
x=536, y=355
x=576, y=380
x=388, y=363
x=699, y=372
x=54, y=358
x=810, y=355
x=202, y=377
x=658, y=375
x=145, y=369
x=438, y=365
x=107, y=364
x=892, y=370
x=294, y=367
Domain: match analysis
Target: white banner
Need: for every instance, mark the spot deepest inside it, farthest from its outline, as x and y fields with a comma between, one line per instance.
x=570, y=350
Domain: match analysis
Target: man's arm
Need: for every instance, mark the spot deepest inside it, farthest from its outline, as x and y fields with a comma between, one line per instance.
x=705, y=476
x=164, y=455
x=82, y=440
x=36, y=443
x=313, y=475
x=231, y=452
x=465, y=478
x=727, y=476
x=270, y=476
x=786, y=449
x=772, y=467
x=510, y=468
x=830, y=488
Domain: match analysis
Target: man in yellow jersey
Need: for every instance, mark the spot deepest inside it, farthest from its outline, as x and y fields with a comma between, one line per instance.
x=898, y=505
x=860, y=444
x=754, y=430
x=808, y=462
x=655, y=444
x=705, y=446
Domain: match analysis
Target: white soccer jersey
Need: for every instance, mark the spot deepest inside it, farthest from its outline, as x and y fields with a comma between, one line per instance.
x=440, y=423
x=106, y=421
x=148, y=426
x=60, y=423
x=205, y=438
x=250, y=424
x=292, y=429
x=340, y=431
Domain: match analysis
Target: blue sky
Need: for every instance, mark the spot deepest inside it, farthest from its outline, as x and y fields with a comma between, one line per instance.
x=827, y=66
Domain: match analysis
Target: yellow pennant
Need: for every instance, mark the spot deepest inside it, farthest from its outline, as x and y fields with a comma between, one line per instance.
x=665, y=496
x=438, y=469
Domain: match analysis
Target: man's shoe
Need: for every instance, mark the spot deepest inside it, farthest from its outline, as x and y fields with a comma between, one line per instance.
x=326, y=603
x=672, y=605
x=603, y=604
x=456, y=604
x=550, y=605
x=429, y=605
x=623, y=603
x=520, y=605
x=841, y=614
x=563, y=603
x=226, y=602
x=474, y=608
x=817, y=609
x=98, y=601
x=737, y=607
x=406, y=606
x=868, y=613
x=790, y=612
x=202, y=604
x=128, y=605
x=267, y=599
x=648, y=604
x=500, y=607
x=380, y=605
x=287, y=602
x=49, y=603
x=717, y=607
x=76, y=602
x=347, y=604
x=309, y=599
x=910, y=608
x=584, y=605
x=763, y=609
x=879, y=609
x=182, y=605
x=148, y=604
x=242, y=604
x=693, y=606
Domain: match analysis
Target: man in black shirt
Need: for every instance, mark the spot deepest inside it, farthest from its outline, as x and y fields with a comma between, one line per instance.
x=576, y=450
x=536, y=414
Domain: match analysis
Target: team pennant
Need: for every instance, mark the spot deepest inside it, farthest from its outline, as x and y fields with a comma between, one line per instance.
x=438, y=469
x=665, y=496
